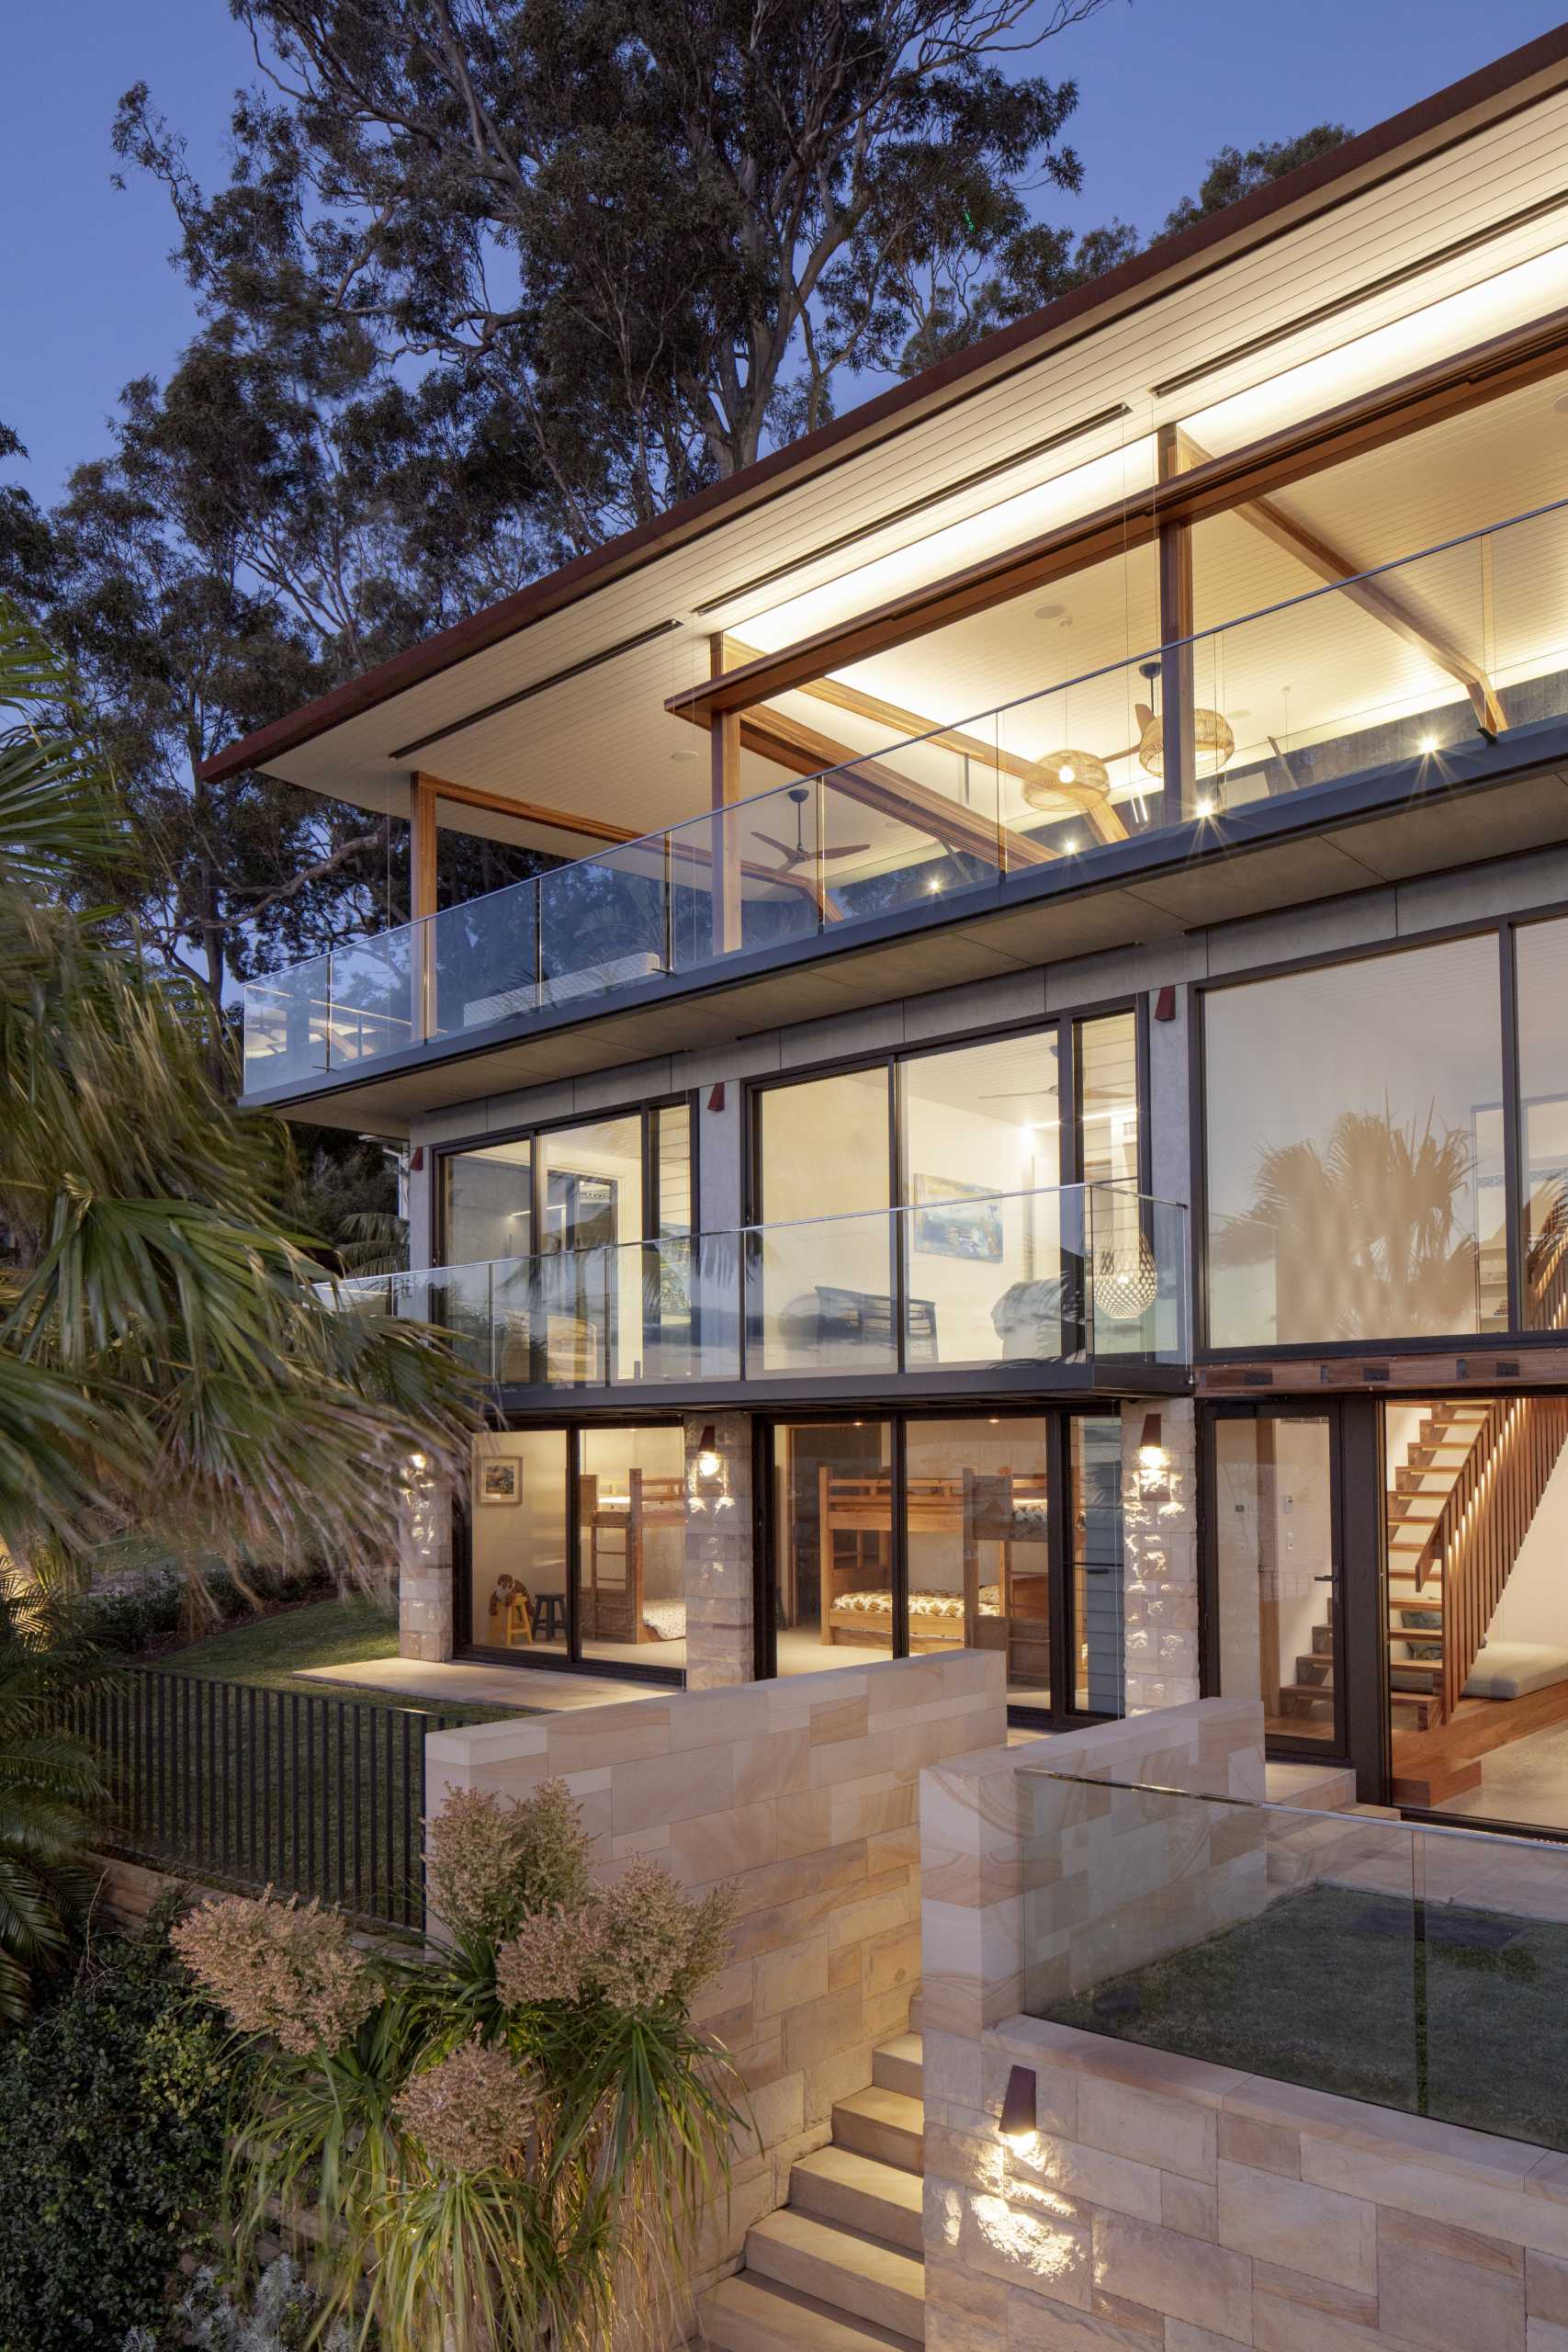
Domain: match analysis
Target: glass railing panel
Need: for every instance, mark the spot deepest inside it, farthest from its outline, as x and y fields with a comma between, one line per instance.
x=456, y=1299
x=604, y=921
x=1524, y=625
x=1135, y=1276
x=1494, y=1953
x=747, y=878
x=484, y=957
x=690, y=1307
x=1284, y=1943
x=371, y=997
x=821, y=1296
x=286, y=1024
x=1078, y=764
x=992, y=1278
x=1385, y=669
x=891, y=842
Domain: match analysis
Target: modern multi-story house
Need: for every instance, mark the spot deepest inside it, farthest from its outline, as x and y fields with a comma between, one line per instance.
x=1029, y=1107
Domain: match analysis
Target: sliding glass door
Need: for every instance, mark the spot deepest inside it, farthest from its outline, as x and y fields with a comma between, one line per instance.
x=894, y=1535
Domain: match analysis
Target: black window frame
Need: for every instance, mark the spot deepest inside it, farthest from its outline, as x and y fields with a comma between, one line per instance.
x=1516, y=1333
x=570, y=1659
x=642, y=1107
x=1060, y=1714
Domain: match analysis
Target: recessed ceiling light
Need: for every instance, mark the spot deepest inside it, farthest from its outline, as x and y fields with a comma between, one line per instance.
x=1561, y=403
x=1049, y=612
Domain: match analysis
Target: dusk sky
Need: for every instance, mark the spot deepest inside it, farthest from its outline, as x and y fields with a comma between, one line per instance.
x=92, y=302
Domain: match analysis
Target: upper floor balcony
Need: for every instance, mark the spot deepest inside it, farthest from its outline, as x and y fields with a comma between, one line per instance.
x=1380, y=692
x=1078, y=1285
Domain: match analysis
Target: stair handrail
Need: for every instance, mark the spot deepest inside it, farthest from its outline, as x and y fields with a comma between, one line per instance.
x=1482, y=1524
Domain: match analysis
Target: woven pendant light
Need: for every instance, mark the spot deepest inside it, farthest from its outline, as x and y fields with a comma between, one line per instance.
x=1079, y=775
x=1212, y=741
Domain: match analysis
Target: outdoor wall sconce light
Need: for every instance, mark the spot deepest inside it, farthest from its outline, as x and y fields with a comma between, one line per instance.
x=1018, y=2126
x=1153, y=1462
x=707, y=1482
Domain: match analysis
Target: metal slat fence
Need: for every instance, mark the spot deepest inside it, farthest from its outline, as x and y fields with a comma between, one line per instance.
x=250, y=1787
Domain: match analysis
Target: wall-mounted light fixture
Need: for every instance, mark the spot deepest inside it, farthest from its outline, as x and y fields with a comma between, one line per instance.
x=1153, y=1462
x=707, y=1476
x=1018, y=2126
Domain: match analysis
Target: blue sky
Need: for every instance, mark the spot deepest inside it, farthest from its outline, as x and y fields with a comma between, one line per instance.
x=90, y=300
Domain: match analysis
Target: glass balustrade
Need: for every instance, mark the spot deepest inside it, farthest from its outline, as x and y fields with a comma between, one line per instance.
x=1406, y=663
x=1059, y=1276
x=1414, y=1965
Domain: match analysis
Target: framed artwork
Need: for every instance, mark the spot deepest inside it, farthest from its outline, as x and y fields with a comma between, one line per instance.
x=954, y=1220
x=500, y=1481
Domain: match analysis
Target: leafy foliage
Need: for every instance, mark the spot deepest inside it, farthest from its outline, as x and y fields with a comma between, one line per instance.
x=124, y=2080
x=49, y=1786
x=489, y=2163
x=164, y=1359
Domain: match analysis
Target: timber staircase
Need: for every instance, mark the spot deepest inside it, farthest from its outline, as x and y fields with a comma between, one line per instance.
x=840, y=2268
x=1459, y=1510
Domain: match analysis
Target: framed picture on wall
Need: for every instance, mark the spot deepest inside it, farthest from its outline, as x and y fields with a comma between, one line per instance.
x=954, y=1220
x=500, y=1481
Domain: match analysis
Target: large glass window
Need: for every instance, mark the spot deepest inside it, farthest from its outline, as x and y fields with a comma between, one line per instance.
x=991, y=1247
x=1097, y=1565
x=631, y=1554
x=976, y=1526
x=832, y=1543
x=1542, y=993
x=489, y=1206
x=519, y=1540
x=1279, y=1626
x=1354, y=1151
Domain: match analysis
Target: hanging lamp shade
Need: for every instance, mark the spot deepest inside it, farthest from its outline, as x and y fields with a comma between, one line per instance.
x=1077, y=773
x=1126, y=1279
x=1212, y=741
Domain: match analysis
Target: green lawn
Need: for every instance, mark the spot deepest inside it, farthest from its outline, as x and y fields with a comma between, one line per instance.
x=228, y=1766
x=1442, y=2010
x=272, y=1650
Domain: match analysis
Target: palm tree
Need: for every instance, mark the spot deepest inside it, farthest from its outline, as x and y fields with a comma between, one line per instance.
x=166, y=1365
x=1365, y=1233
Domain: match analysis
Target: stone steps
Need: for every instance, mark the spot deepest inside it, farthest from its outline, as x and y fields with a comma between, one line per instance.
x=858, y=2193
x=748, y=2315
x=840, y=2268
x=857, y=2274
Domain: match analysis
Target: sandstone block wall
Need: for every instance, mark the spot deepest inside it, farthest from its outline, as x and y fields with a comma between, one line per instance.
x=1169, y=2206
x=804, y=1791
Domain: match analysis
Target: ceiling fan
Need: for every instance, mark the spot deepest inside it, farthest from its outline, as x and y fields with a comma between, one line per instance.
x=797, y=853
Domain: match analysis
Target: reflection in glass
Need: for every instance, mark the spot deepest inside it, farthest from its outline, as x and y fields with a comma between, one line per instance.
x=832, y=1544
x=518, y=1540
x=976, y=1520
x=488, y=1209
x=1274, y=1544
x=1355, y=1152
x=1543, y=966
x=1098, y=1655
x=631, y=1604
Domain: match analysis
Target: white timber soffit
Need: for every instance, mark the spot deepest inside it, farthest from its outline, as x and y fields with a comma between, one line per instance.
x=1443, y=205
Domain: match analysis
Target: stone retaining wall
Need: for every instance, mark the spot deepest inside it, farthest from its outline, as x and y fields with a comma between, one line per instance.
x=1170, y=2206
x=804, y=1791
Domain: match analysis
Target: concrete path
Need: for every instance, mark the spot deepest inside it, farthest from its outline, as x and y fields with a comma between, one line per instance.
x=530, y=1691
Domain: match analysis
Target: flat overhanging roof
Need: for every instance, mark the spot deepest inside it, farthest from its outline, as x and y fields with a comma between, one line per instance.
x=554, y=698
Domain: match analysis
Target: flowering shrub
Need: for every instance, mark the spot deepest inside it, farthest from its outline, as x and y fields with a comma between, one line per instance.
x=638, y=1944
x=514, y=2140
x=286, y=1968
x=489, y=1864
x=471, y=2112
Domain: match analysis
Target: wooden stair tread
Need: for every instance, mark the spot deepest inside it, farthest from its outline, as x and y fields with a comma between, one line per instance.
x=750, y=2314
